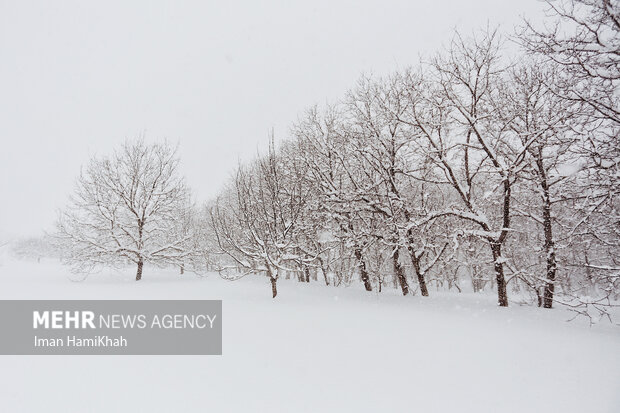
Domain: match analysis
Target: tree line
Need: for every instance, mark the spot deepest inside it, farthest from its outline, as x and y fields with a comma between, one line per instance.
x=469, y=167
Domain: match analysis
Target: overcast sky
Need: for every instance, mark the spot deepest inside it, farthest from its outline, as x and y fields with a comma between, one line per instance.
x=77, y=78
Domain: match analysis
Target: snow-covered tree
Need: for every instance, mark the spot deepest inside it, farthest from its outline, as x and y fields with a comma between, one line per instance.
x=456, y=108
x=127, y=207
x=324, y=149
x=583, y=37
x=256, y=220
x=383, y=149
x=465, y=166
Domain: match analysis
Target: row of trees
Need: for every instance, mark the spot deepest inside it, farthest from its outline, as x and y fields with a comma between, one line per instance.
x=466, y=168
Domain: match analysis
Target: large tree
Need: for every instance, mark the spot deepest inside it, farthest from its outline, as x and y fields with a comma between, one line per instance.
x=582, y=39
x=127, y=209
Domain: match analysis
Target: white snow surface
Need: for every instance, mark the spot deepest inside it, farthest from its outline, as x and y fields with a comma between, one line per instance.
x=321, y=349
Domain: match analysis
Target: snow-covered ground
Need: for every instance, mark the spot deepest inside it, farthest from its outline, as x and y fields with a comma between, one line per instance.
x=318, y=349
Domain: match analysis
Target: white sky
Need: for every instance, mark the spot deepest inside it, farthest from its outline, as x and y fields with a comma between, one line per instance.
x=77, y=78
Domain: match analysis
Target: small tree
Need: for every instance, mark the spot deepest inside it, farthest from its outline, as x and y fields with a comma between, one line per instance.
x=126, y=208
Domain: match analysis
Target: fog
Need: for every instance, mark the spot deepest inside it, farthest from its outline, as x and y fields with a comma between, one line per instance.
x=77, y=79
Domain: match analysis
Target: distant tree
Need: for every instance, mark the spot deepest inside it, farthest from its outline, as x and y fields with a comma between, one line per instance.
x=190, y=235
x=127, y=207
x=34, y=248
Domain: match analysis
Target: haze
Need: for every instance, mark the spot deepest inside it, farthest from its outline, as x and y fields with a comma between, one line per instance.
x=76, y=79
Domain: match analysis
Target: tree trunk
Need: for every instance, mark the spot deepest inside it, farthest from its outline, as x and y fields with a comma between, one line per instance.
x=307, y=272
x=273, y=279
x=363, y=270
x=502, y=296
x=139, y=272
x=400, y=273
x=182, y=269
x=324, y=271
x=140, y=245
x=551, y=268
x=548, y=231
x=274, y=289
x=418, y=272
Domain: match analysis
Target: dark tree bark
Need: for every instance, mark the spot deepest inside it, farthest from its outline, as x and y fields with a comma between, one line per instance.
x=274, y=289
x=549, y=246
x=502, y=296
x=418, y=272
x=363, y=271
x=323, y=270
x=139, y=272
x=140, y=245
x=400, y=273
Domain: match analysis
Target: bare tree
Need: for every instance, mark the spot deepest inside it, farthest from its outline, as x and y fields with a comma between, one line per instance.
x=584, y=38
x=456, y=112
x=550, y=124
x=384, y=151
x=324, y=150
x=256, y=220
x=126, y=208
